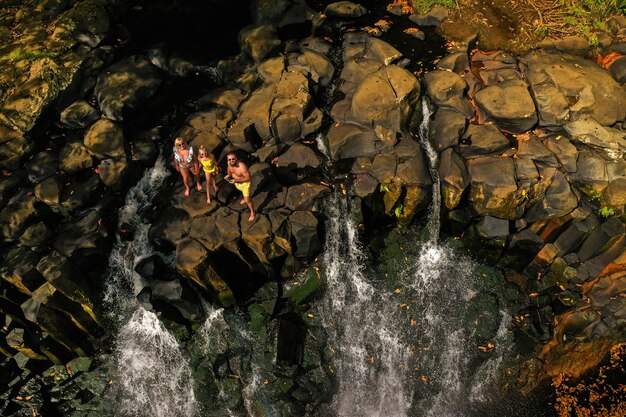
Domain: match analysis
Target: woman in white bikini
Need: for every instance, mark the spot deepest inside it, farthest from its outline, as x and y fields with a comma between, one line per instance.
x=185, y=161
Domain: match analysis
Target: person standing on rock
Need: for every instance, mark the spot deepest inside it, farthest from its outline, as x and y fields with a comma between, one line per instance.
x=239, y=175
x=185, y=161
x=210, y=168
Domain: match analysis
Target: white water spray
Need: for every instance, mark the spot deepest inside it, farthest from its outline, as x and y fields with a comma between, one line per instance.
x=153, y=377
x=371, y=361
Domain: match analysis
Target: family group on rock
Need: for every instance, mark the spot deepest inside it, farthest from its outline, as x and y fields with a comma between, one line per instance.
x=187, y=162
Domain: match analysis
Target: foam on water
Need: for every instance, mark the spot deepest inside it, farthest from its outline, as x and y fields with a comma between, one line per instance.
x=154, y=377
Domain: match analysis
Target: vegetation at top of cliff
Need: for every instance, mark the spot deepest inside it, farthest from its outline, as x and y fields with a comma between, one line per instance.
x=422, y=6
x=518, y=25
x=589, y=16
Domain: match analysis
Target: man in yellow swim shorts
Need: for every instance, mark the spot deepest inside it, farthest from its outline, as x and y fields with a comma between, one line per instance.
x=239, y=176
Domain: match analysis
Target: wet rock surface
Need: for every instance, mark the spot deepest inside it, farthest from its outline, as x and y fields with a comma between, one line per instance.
x=531, y=161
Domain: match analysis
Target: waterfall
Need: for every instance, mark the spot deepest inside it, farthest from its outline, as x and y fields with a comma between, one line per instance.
x=371, y=362
x=444, y=282
x=153, y=377
x=433, y=161
x=321, y=145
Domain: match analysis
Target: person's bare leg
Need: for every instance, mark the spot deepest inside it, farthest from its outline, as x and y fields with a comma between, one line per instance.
x=185, y=174
x=196, y=176
x=250, y=204
x=207, y=184
x=213, y=178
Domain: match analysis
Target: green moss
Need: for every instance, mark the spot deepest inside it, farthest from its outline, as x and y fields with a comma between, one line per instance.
x=422, y=6
x=31, y=56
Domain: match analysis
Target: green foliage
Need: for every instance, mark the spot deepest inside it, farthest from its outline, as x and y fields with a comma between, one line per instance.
x=398, y=210
x=595, y=196
x=384, y=188
x=606, y=212
x=422, y=6
x=590, y=15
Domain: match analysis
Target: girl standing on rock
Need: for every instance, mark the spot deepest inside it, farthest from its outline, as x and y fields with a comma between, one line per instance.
x=185, y=161
x=209, y=166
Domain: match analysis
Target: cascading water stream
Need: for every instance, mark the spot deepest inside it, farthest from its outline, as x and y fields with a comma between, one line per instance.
x=371, y=361
x=444, y=283
x=433, y=160
x=154, y=378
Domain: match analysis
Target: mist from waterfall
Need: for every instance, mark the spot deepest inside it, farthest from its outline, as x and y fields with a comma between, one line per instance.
x=153, y=377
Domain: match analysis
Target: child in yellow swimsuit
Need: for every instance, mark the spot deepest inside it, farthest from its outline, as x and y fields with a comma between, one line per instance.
x=210, y=168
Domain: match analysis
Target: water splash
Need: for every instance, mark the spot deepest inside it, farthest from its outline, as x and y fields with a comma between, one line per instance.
x=153, y=376
x=321, y=145
x=123, y=283
x=371, y=361
x=433, y=161
x=487, y=373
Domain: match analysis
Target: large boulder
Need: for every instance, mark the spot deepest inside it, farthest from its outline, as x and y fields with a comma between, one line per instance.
x=74, y=157
x=569, y=88
x=17, y=216
x=493, y=189
x=125, y=85
x=192, y=261
x=290, y=107
x=304, y=230
x=19, y=268
x=14, y=146
x=447, y=128
x=258, y=236
x=63, y=275
x=565, y=152
x=345, y=10
x=446, y=89
x=253, y=121
x=354, y=71
x=42, y=165
x=351, y=141
x=588, y=131
x=105, y=139
x=454, y=178
x=482, y=140
x=78, y=115
x=207, y=128
x=86, y=22
x=304, y=196
x=509, y=105
x=559, y=201
x=386, y=98
x=591, y=176
x=259, y=41
x=321, y=68
x=114, y=173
